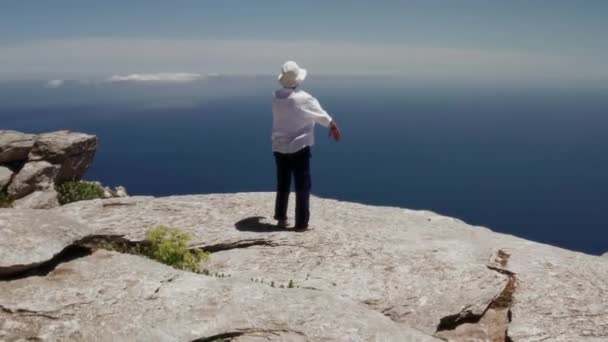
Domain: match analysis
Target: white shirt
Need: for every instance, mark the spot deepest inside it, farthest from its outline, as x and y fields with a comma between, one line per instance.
x=295, y=113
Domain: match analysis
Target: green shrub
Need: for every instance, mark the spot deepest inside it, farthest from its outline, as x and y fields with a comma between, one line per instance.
x=5, y=200
x=170, y=246
x=79, y=191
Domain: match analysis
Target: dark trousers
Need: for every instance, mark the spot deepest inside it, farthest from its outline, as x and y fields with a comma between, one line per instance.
x=298, y=165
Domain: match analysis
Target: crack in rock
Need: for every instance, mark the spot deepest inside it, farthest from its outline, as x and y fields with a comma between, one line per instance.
x=69, y=253
x=109, y=242
x=87, y=245
x=237, y=244
x=396, y=313
x=27, y=313
x=492, y=323
x=117, y=204
x=228, y=336
x=44, y=314
x=77, y=249
x=120, y=244
x=162, y=283
x=231, y=335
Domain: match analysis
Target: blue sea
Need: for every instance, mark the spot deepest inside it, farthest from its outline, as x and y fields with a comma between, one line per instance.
x=526, y=159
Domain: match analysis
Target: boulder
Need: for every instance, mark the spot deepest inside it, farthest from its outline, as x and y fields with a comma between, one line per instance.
x=424, y=271
x=73, y=152
x=35, y=175
x=121, y=192
x=41, y=199
x=107, y=192
x=36, y=163
x=15, y=146
x=115, y=297
x=31, y=237
x=5, y=177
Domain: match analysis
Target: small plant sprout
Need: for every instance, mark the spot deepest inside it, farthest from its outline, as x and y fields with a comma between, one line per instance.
x=170, y=246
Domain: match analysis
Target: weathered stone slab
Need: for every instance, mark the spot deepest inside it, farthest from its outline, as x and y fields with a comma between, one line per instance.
x=41, y=199
x=5, y=177
x=115, y=297
x=15, y=146
x=74, y=152
x=416, y=267
x=30, y=237
x=36, y=175
x=560, y=296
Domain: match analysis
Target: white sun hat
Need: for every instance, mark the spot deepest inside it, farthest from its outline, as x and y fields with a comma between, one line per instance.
x=291, y=75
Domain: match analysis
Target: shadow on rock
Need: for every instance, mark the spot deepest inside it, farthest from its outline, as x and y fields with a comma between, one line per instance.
x=256, y=224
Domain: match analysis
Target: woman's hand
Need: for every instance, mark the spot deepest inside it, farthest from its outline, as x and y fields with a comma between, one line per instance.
x=334, y=131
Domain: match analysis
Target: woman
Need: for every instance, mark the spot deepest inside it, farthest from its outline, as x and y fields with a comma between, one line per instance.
x=295, y=113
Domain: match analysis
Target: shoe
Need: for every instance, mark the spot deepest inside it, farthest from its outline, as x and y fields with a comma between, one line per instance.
x=282, y=223
x=301, y=228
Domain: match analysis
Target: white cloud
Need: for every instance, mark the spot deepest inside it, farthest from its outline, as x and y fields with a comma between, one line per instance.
x=122, y=56
x=159, y=77
x=54, y=84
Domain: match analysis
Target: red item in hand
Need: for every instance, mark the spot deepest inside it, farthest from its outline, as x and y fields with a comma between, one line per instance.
x=334, y=132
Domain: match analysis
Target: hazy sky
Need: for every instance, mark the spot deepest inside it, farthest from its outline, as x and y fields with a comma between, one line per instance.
x=486, y=39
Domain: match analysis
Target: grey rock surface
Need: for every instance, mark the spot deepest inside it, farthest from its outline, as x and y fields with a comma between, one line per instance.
x=35, y=175
x=41, y=199
x=74, y=152
x=30, y=237
x=5, y=177
x=363, y=272
x=416, y=267
x=560, y=295
x=116, y=297
x=15, y=146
